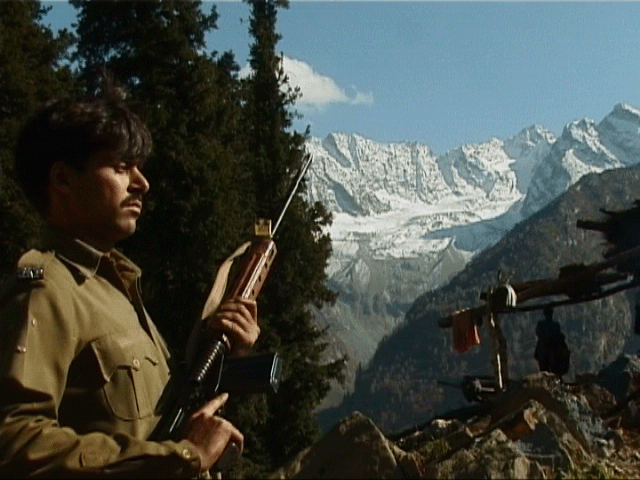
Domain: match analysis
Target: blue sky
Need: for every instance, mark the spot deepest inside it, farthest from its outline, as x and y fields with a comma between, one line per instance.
x=445, y=73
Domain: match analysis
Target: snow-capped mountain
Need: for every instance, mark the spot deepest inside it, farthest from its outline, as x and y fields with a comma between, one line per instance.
x=406, y=219
x=585, y=147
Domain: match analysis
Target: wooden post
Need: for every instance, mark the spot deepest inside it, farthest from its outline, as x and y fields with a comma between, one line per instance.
x=499, y=347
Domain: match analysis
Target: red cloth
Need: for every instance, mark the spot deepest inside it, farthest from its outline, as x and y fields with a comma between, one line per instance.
x=465, y=331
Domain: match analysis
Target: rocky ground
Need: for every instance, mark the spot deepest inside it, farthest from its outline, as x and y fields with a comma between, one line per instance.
x=540, y=427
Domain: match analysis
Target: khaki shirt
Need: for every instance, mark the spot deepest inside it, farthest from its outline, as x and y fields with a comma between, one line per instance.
x=82, y=368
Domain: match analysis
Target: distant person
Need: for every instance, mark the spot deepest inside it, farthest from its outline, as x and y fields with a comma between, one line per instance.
x=552, y=352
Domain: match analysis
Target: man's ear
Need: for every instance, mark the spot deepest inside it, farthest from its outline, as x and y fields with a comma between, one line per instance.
x=60, y=177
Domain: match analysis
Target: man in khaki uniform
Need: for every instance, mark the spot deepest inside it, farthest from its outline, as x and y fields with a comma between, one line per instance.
x=82, y=365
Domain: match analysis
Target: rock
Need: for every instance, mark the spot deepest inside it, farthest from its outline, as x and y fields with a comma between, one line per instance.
x=354, y=448
x=539, y=428
x=599, y=398
x=522, y=423
x=550, y=443
x=622, y=379
x=493, y=456
x=572, y=410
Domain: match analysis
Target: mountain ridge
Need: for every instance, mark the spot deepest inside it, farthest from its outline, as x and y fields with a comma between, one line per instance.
x=400, y=209
x=399, y=387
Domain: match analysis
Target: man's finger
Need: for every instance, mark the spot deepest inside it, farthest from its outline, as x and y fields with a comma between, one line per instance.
x=237, y=311
x=250, y=305
x=241, y=305
x=235, y=327
x=215, y=404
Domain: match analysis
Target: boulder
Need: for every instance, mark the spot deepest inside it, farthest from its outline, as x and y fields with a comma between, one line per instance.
x=540, y=427
x=354, y=448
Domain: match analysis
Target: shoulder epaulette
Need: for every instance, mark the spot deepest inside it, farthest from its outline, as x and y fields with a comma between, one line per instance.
x=30, y=273
x=20, y=279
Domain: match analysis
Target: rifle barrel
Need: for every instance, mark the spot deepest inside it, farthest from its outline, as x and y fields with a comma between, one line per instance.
x=294, y=188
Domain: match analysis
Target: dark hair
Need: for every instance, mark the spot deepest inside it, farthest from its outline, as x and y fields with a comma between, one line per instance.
x=72, y=130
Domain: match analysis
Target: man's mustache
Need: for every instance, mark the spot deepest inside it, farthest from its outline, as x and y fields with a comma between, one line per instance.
x=135, y=199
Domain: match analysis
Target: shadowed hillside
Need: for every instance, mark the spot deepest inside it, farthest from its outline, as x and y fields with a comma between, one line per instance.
x=400, y=386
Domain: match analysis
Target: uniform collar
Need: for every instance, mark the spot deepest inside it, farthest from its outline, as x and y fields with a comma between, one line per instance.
x=81, y=255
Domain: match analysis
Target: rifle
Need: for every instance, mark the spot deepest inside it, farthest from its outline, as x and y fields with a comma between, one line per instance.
x=211, y=374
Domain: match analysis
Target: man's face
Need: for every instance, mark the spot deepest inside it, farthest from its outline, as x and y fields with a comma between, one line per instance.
x=105, y=199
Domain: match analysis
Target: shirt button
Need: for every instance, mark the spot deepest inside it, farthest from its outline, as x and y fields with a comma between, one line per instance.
x=186, y=453
x=136, y=363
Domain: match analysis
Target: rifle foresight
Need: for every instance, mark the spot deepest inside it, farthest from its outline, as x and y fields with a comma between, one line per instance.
x=257, y=264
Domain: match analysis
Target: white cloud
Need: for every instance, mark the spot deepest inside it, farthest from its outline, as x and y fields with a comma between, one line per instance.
x=318, y=91
x=363, y=99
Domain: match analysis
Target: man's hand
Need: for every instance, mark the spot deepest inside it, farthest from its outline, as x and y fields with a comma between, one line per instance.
x=238, y=318
x=211, y=434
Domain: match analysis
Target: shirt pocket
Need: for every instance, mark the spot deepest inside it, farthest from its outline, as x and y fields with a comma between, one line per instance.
x=133, y=374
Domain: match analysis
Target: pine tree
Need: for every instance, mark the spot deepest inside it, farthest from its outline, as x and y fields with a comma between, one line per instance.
x=31, y=73
x=298, y=278
x=196, y=208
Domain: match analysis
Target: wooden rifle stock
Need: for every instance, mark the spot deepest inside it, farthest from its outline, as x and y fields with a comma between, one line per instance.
x=204, y=379
x=254, y=272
